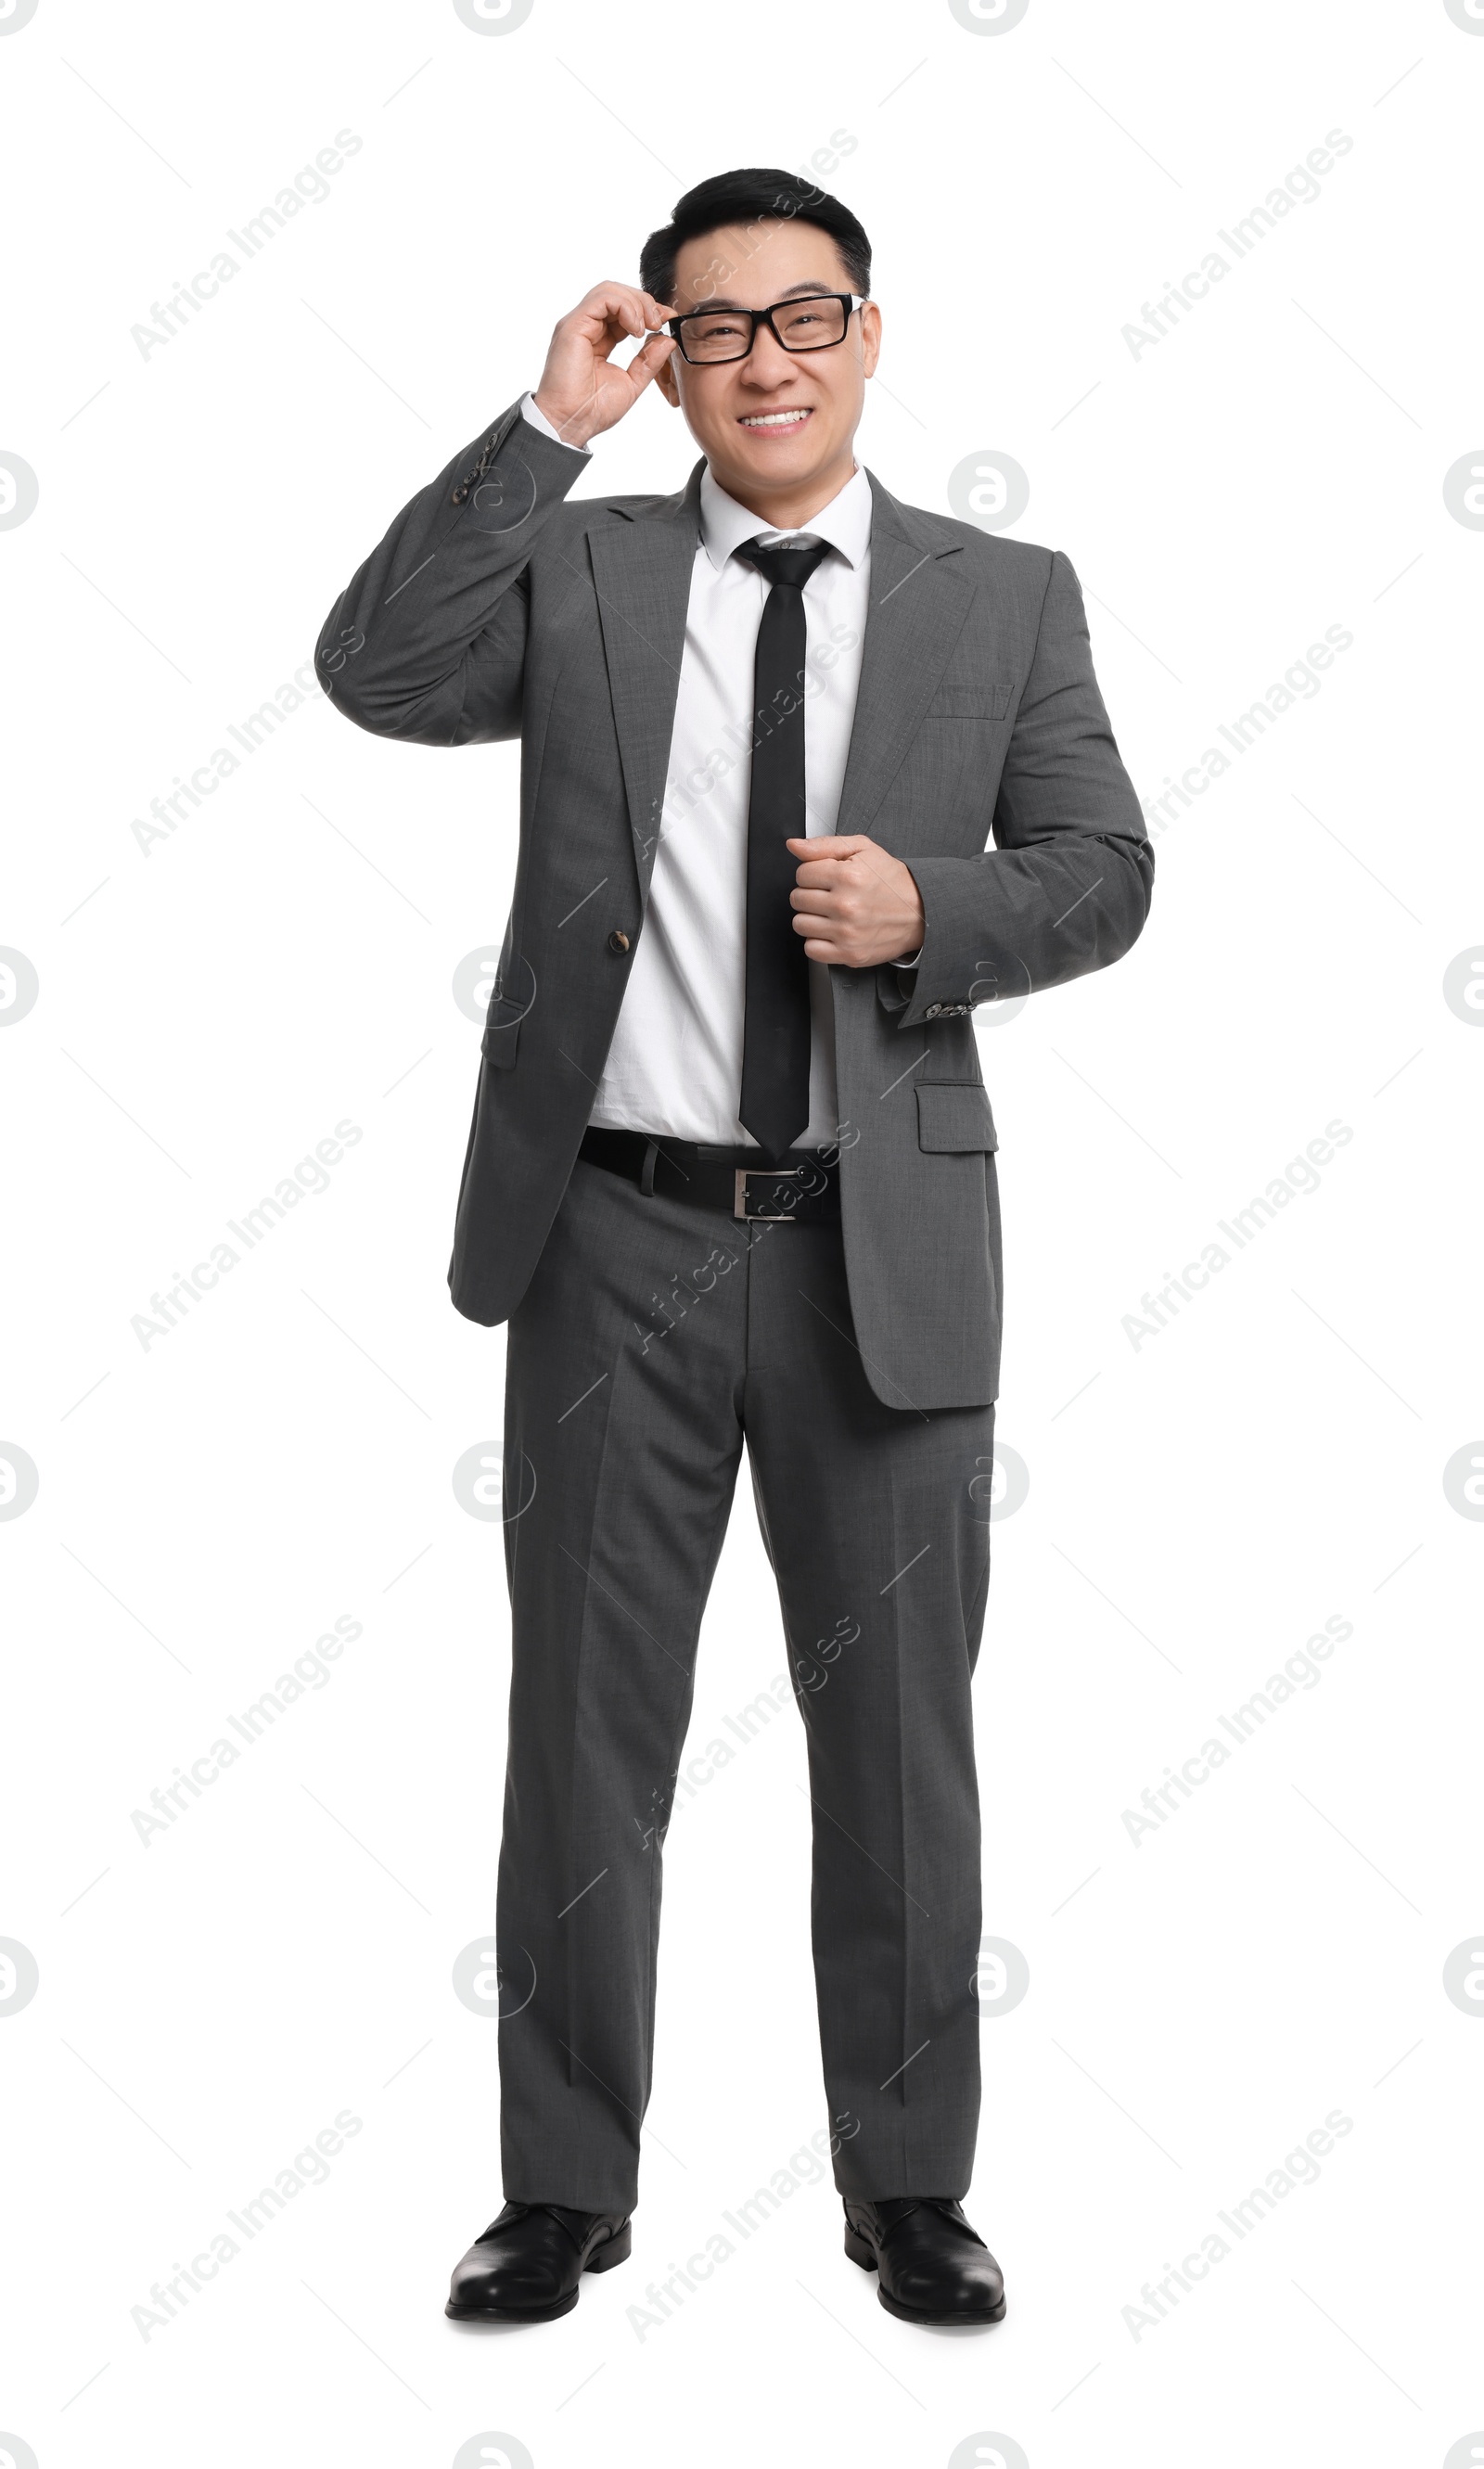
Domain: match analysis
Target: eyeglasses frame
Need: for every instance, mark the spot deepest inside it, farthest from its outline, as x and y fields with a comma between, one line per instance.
x=849, y=301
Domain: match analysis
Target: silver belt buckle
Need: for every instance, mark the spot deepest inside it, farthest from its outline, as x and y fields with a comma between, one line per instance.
x=762, y=1216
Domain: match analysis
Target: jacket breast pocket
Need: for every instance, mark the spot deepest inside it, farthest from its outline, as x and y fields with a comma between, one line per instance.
x=990, y=701
x=955, y=1114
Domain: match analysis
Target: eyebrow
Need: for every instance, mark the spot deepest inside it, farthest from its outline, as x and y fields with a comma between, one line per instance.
x=795, y=291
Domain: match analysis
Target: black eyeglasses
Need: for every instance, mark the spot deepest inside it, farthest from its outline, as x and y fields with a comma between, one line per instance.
x=810, y=325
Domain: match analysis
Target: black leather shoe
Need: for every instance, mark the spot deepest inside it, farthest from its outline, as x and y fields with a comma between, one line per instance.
x=932, y=2267
x=526, y=2266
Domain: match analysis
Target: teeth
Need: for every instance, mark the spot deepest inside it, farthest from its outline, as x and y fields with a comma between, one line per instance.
x=773, y=419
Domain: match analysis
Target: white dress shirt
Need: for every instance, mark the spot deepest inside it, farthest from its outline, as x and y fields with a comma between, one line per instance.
x=675, y=1064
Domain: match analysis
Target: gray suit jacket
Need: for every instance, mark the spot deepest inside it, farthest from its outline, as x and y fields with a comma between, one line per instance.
x=494, y=610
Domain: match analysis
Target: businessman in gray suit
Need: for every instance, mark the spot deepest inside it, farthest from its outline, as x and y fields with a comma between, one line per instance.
x=732, y=1170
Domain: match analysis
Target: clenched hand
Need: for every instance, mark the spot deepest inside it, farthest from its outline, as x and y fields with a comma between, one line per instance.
x=855, y=904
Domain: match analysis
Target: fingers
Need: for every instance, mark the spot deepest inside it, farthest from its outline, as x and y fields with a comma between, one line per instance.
x=860, y=947
x=830, y=860
x=648, y=362
x=840, y=875
x=621, y=309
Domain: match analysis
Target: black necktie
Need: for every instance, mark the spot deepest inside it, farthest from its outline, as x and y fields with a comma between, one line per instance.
x=775, y=1103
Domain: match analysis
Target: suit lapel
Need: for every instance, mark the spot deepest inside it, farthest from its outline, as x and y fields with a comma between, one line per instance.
x=920, y=598
x=641, y=569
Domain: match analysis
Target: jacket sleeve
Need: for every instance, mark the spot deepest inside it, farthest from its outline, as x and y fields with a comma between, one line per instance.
x=426, y=642
x=1066, y=886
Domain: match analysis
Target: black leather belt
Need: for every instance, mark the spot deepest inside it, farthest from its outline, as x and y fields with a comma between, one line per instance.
x=804, y=1191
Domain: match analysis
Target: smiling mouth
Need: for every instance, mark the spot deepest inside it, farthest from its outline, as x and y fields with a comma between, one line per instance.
x=775, y=419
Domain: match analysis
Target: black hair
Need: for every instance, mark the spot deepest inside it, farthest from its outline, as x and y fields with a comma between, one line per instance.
x=747, y=197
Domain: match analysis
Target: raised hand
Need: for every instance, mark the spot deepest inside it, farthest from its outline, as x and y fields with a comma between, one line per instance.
x=581, y=392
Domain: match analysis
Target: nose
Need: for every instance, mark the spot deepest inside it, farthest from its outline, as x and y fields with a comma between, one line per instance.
x=767, y=363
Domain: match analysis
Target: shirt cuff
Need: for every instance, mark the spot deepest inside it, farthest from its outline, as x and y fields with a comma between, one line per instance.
x=537, y=419
x=911, y=963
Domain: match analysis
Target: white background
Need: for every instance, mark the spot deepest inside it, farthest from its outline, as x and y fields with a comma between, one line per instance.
x=1199, y=1503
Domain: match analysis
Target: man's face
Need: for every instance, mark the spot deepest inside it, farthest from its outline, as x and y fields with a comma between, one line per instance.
x=821, y=393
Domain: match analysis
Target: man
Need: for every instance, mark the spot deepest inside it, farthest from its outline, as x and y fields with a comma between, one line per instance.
x=732, y=1167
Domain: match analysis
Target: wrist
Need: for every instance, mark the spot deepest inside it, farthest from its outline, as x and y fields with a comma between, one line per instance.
x=573, y=428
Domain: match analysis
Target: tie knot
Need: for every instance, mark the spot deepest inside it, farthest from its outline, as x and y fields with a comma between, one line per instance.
x=782, y=563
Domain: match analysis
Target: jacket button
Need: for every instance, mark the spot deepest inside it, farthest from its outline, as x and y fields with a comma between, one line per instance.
x=617, y=940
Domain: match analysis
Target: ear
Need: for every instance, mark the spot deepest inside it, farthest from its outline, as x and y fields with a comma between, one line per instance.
x=871, y=337
x=664, y=380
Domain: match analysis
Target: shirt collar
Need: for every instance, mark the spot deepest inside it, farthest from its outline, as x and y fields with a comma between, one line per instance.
x=844, y=524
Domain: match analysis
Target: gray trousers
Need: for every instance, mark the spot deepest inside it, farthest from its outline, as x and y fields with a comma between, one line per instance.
x=653, y=1339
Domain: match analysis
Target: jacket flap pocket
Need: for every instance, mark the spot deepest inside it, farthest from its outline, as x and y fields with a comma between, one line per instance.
x=987, y=701
x=501, y=1036
x=955, y=1114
